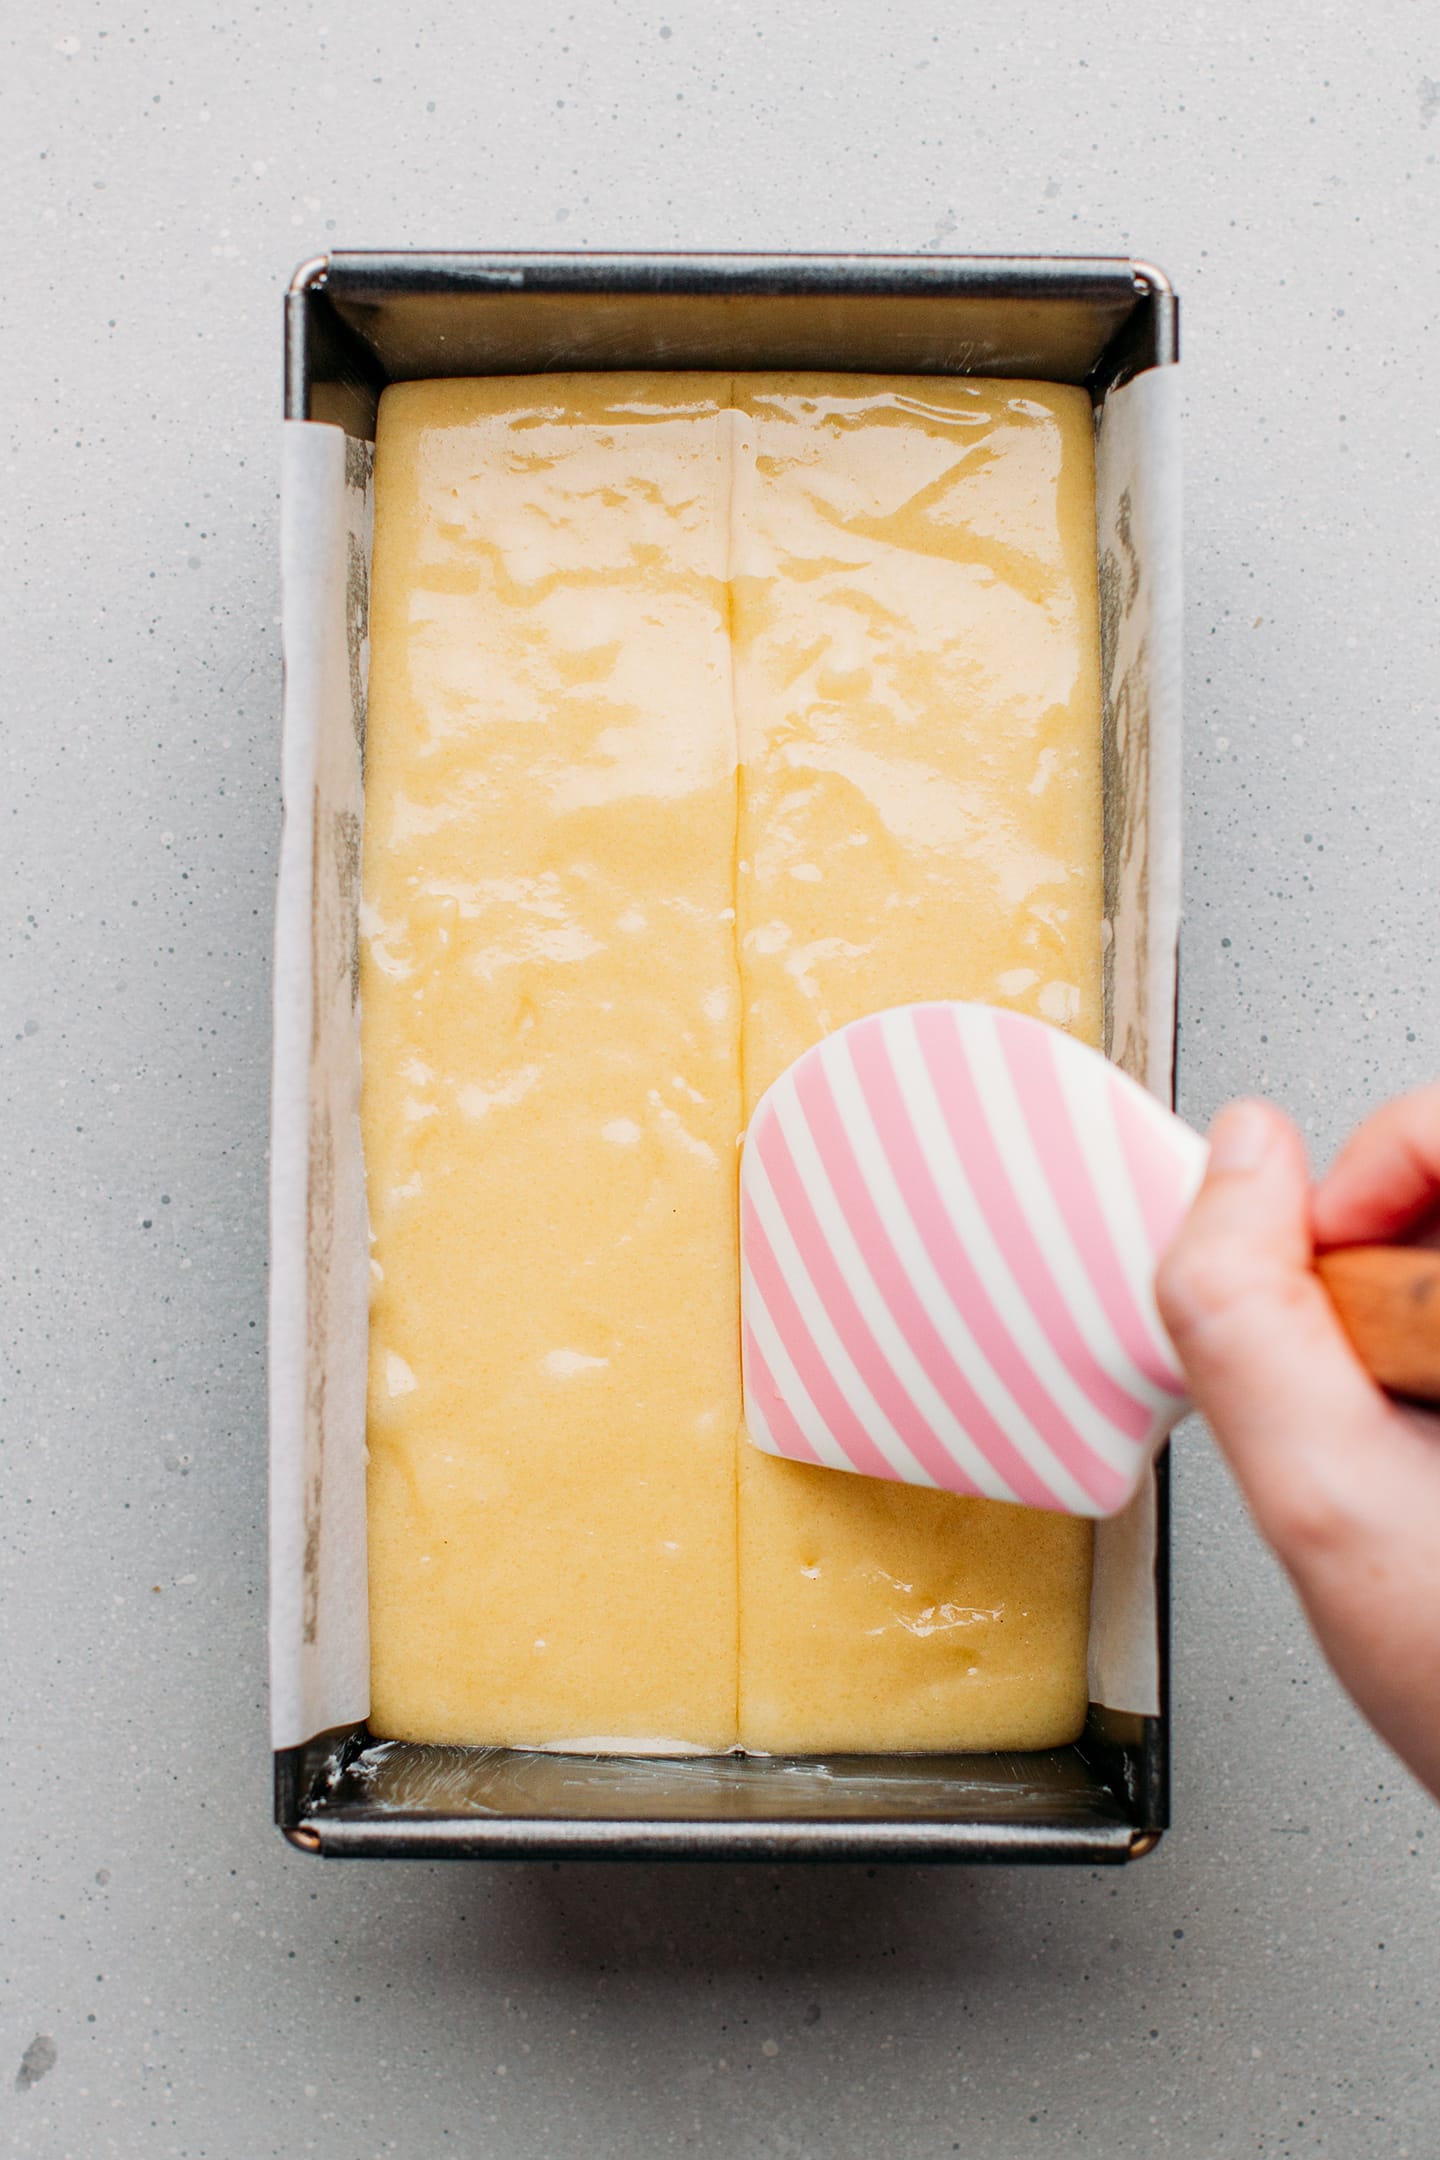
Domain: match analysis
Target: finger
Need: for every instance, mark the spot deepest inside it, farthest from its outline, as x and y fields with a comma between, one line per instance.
x=1265, y=1356
x=1386, y=1179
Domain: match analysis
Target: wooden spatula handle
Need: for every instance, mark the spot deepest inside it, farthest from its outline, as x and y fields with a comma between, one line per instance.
x=1388, y=1299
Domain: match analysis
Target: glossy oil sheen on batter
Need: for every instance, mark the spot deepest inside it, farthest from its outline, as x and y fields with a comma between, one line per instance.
x=587, y=592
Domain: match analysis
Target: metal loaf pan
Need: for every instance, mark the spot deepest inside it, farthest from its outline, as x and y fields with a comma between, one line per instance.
x=354, y=322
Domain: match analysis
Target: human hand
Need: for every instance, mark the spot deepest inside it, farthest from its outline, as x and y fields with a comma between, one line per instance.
x=1343, y=1482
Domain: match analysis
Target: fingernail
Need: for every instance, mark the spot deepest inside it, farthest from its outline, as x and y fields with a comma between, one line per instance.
x=1240, y=1137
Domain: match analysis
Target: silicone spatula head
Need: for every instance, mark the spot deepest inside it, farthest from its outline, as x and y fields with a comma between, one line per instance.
x=950, y=1219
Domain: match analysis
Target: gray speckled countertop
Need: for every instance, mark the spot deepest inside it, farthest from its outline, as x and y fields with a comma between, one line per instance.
x=176, y=1980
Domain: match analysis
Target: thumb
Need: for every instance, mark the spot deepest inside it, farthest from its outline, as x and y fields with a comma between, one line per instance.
x=1265, y=1355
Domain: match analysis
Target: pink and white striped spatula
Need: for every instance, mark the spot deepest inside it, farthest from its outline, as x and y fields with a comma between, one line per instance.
x=950, y=1219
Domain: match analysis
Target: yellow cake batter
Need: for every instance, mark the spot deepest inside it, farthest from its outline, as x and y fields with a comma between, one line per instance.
x=586, y=592
x=917, y=687
x=551, y=1092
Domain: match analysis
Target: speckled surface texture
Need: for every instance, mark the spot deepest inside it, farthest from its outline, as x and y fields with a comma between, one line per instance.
x=175, y=1980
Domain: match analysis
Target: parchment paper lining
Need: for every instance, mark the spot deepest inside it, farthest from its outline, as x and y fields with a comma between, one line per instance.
x=319, y=1261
